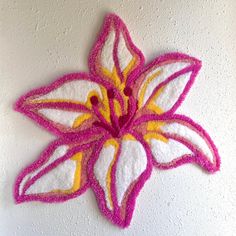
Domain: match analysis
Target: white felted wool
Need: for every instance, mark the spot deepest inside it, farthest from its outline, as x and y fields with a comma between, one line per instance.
x=172, y=92
x=190, y=135
x=66, y=118
x=165, y=152
x=102, y=167
x=59, y=152
x=165, y=72
x=131, y=164
x=124, y=55
x=76, y=90
x=60, y=178
x=107, y=52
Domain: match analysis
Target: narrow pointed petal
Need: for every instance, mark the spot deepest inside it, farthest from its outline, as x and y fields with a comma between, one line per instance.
x=178, y=140
x=117, y=174
x=58, y=175
x=165, y=82
x=114, y=55
x=64, y=105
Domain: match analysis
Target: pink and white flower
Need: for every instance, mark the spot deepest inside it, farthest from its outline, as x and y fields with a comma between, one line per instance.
x=113, y=125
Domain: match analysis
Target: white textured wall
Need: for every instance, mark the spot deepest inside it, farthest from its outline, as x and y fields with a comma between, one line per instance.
x=40, y=40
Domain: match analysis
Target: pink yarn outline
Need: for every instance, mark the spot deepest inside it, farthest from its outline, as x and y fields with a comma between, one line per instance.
x=76, y=136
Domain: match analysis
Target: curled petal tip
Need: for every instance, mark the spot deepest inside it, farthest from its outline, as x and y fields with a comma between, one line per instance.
x=17, y=106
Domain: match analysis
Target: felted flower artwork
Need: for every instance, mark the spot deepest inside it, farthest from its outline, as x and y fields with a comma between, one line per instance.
x=114, y=125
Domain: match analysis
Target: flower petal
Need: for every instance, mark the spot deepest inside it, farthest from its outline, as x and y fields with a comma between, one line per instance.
x=64, y=105
x=165, y=82
x=114, y=55
x=117, y=174
x=58, y=175
x=178, y=140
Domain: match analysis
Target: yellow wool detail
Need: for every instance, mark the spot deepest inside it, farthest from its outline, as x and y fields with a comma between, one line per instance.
x=117, y=108
x=125, y=98
x=81, y=119
x=157, y=136
x=55, y=100
x=152, y=106
x=113, y=75
x=114, y=143
x=155, y=108
x=129, y=67
x=144, y=88
x=77, y=176
x=129, y=137
x=105, y=111
x=106, y=72
x=154, y=125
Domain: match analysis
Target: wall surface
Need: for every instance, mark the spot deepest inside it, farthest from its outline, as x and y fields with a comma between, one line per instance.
x=40, y=40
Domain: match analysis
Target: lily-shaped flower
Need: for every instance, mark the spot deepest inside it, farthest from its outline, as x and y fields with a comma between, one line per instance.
x=113, y=125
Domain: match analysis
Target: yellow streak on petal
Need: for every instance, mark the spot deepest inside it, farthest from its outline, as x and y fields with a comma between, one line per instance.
x=144, y=88
x=105, y=110
x=112, y=142
x=79, y=120
x=128, y=137
x=115, y=77
x=125, y=98
x=157, y=136
x=152, y=105
x=112, y=75
x=129, y=67
x=54, y=100
x=155, y=125
x=77, y=177
x=117, y=108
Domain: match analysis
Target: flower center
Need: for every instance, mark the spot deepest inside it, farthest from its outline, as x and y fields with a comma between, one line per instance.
x=122, y=120
x=110, y=94
x=118, y=124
